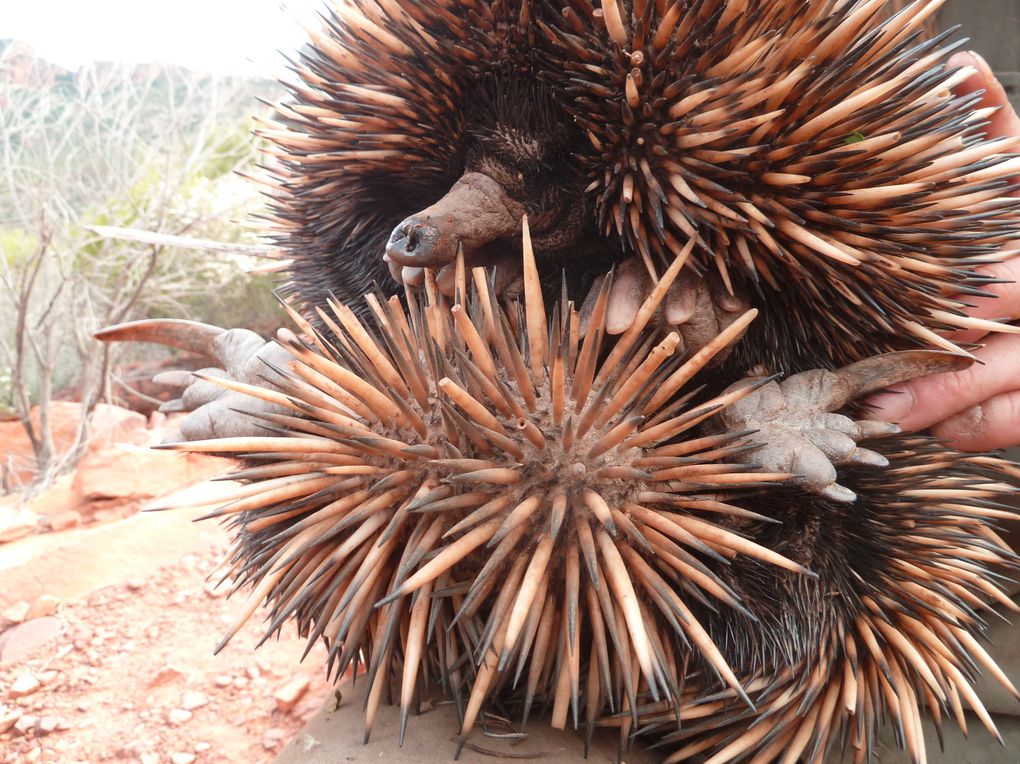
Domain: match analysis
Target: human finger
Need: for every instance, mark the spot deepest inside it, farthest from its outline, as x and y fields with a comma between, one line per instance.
x=1002, y=123
x=922, y=402
x=992, y=424
x=1004, y=302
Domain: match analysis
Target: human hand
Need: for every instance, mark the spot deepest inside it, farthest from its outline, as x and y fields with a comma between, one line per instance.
x=979, y=408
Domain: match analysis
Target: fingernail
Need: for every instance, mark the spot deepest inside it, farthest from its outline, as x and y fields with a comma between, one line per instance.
x=891, y=405
x=958, y=60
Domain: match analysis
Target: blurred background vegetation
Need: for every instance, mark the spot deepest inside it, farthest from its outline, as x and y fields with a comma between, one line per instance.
x=154, y=148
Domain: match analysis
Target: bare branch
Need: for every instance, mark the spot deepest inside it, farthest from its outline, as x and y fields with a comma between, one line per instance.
x=183, y=242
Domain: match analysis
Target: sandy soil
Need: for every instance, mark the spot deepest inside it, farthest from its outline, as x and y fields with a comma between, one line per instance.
x=126, y=672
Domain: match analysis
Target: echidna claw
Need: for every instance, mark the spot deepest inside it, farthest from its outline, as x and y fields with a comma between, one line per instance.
x=870, y=458
x=836, y=492
x=191, y=336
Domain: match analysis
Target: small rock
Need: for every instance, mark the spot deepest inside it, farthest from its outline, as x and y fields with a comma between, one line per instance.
x=134, y=584
x=24, y=685
x=46, y=725
x=45, y=605
x=19, y=642
x=83, y=705
x=222, y=681
x=286, y=697
x=8, y=718
x=178, y=716
x=16, y=613
x=182, y=758
x=202, y=746
x=25, y=723
x=193, y=700
x=241, y=682
x=166, y=675
x=62, y=521
x=272, y=737
x=16, y=522
x=47, y=677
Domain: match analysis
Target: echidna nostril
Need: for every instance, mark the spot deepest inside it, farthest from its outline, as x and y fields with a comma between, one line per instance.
x=412, y=238
x=414, y=243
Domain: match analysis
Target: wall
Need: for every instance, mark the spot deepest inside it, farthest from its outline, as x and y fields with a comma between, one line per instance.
x=993, y=27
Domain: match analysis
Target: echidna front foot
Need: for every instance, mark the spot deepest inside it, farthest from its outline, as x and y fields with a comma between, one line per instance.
x=698, y=307
x=798, y=423
x=215, y=396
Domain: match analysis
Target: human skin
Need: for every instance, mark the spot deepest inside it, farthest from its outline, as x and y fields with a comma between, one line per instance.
x=979, y=408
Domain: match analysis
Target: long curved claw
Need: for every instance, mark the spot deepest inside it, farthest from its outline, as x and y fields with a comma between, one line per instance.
x=881, y=371
x=192, y=336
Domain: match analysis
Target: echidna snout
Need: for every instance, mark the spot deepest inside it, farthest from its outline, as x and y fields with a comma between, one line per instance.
x=476, y=211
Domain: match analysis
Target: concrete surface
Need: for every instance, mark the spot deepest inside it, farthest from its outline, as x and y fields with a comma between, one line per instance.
x=336, y=736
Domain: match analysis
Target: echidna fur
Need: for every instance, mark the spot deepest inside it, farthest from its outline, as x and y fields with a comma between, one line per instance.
x=820, y=650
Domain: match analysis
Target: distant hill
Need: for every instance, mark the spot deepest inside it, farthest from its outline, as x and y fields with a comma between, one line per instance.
x=21, y=66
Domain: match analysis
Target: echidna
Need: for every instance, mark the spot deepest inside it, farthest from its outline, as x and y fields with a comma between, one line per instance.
x=476, y=499
x=809, y=155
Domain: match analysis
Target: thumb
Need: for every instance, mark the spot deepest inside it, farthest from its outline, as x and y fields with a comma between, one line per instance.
x=1003, y=123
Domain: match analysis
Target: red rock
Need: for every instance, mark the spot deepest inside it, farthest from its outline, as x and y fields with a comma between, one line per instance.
x=203, y=467
x=15, y=521
x=25, y=723
x=64, y=418
x=166, y=675
x=286, y=697
x=45, y=605
x=59, y=498
x=178, y=716
x=8, y=718
x=112, y=424
x=16, y=613
x=62, y=521
x=46, y=725
x=19, y=642
x=192, y=700
x=129, y=472
x=24, y=685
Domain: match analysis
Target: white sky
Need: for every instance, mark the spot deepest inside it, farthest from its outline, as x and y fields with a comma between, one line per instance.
x=221, y=36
